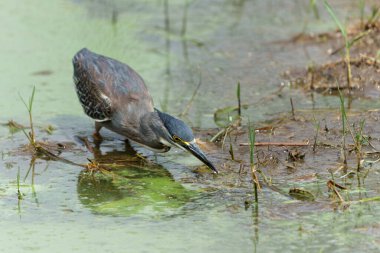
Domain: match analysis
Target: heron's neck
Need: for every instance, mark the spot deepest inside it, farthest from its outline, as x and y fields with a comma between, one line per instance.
x=153, y=131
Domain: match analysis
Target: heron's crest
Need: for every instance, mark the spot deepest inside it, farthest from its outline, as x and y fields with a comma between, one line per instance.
x=176, y=127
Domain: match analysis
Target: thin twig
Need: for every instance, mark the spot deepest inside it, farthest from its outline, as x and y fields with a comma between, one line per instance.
x=330, y=182
x=331, y=186
x=42, y=150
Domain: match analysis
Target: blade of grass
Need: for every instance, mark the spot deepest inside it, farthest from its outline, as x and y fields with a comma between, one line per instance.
x=23, y=101
x=231, y=149
x=361, y=8
x=29, y=107
x=31, y=99
x=252, y=137
x=343, y=31
x=19, y=194
x=359, y=140
x=239, y=99
x=336, y=20
x=30, y=114
x=232, y=152
x=344, y=121
x=375, y=15
x=313, y=7
x=292, y=106
x=317, y=127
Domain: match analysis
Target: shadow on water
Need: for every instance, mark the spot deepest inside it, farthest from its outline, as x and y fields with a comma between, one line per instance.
x=133, y=187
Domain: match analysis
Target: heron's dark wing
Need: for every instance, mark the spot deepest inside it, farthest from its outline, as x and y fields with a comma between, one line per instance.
x=94, y=102
x=103, y=84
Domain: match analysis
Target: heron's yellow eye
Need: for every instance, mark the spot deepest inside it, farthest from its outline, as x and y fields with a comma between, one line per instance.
x=176, y=138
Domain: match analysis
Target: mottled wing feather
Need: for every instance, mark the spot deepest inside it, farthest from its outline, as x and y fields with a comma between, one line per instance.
x=104, y=84
x=95, y=104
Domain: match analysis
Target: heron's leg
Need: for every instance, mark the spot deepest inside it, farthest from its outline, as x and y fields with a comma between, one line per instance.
x=96, y=135
x=128, y=148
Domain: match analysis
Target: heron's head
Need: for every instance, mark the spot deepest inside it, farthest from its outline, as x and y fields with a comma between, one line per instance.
x=180, y=135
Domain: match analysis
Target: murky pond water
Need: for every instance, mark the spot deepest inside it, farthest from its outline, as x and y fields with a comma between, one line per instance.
x=157, y=203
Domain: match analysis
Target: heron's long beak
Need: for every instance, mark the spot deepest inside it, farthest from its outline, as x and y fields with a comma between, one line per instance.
x=193, y=148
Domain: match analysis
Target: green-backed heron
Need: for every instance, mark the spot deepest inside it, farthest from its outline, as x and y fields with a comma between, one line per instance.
x=116, y=97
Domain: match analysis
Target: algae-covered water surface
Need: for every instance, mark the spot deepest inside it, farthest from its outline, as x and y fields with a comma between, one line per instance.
x=316, y=157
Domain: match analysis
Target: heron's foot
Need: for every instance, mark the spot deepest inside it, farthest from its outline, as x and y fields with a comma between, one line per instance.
x=84, y=141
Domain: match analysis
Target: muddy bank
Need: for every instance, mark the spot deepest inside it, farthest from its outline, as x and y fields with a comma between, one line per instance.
x=327, y=78
x=305, y=151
